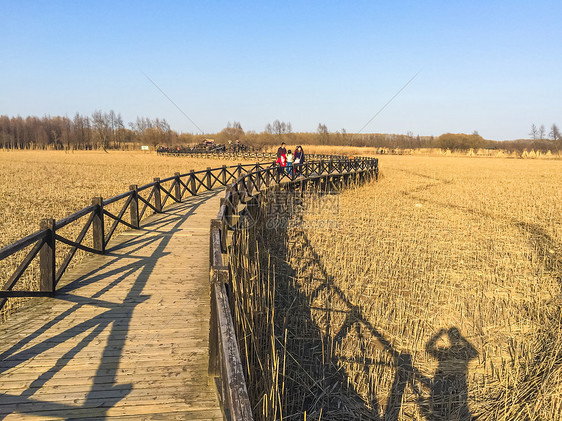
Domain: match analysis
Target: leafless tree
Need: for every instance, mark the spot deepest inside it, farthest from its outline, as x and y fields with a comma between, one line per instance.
x=102, y=128
x=323, y=135
x=534, y=132
x=542, y=132
x=554, y=133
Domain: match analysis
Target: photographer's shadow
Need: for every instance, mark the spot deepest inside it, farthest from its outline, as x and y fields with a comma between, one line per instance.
x=449, y=388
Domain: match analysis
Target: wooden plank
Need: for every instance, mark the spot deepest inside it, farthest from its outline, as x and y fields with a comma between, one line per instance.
x=149, y=354
x=233, y=377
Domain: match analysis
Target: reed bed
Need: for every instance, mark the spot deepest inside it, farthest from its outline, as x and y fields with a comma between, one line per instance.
x=433, y=294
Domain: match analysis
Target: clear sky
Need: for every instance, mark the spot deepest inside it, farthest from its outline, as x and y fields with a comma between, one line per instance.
x=490, y=66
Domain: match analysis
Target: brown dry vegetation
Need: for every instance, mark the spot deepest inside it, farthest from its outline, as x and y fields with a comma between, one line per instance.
x=435, y=294
x=372, y=151
x=54, y=184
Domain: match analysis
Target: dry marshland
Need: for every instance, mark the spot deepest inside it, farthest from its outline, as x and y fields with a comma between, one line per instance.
x=432, y=294
x=371, y=151
x=54, y=184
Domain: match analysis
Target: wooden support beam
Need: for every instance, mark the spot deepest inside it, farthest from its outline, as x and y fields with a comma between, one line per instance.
x=157, y=195
x=177, y=187
x=192, y=183
x=134, y=206
x=47, y=264
x=98, y=227
x=208, y=175
x=223, y=175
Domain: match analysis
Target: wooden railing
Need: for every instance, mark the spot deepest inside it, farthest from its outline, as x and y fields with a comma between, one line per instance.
x=134, y=205
x=243, y=184
x=248, y=155
x=224, y=355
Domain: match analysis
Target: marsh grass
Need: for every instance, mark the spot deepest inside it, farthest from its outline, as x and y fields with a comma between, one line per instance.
x=435, y=295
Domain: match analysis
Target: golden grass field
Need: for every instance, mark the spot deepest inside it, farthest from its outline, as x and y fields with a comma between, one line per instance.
x=371, y=151
x=54, y=184
x=446, y=273
x=432, y=294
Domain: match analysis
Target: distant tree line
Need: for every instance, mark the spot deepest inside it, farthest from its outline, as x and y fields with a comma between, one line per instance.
x=106, y=130
x=101, y=130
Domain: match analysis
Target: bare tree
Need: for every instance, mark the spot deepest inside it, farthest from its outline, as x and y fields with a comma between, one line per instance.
x=232, y=131
x=542, y=132
x=102, y=128
x=554, y=133
x=534, y=132
x=278, y=127
x=323, y=135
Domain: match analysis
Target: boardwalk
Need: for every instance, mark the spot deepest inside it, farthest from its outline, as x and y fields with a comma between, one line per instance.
x=127, y=334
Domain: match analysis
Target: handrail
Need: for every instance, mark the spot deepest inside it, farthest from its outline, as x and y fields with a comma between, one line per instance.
x=20, y=244
x=224, y=354
x=243, y=183
x=135, y=203
x=240, y=154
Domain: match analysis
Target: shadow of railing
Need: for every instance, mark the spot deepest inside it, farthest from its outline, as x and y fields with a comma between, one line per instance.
x=279, y=278
x=104, y=392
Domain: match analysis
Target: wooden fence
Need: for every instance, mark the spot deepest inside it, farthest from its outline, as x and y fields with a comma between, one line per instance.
x=243, y=183
x=224, y=355
x=134, y=205
x=248, y=155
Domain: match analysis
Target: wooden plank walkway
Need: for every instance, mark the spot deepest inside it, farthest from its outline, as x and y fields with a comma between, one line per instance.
x=126, y=337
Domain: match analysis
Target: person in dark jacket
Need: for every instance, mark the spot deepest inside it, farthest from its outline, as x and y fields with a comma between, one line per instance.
x=298, y=160
x=281, y=151
x=299, y=155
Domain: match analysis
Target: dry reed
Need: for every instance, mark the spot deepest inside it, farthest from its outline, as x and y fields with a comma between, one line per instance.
x=432, y=294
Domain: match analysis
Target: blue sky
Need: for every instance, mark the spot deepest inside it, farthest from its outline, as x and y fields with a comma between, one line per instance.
x=490, y=66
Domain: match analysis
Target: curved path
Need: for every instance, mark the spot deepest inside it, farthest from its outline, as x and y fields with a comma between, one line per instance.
x=127, y=334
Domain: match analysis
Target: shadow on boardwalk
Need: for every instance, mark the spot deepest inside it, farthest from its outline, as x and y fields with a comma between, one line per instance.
x=145, y=249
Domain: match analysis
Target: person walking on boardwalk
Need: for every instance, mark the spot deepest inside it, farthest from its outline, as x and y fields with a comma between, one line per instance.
x=282, y=163
x=289, y=162
x=298, y=159
x=282, y=150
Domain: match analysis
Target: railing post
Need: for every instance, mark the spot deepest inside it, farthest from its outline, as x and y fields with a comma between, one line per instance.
x=157, y=195
x=250, y=184
x=192, y=183
x=242, y=190
x=208, y=174
x=134, y=206
x=235, y=200
x=258, y=179
x=223, y=226
x=239, y=169
x=223, y=175
x=47, y=257
x=230, y=206
x=98, y=233
x=177, y=186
